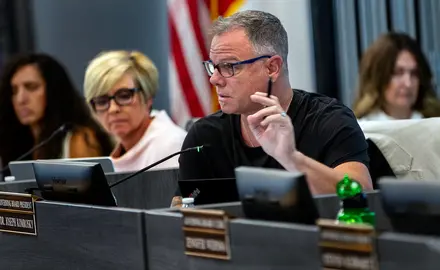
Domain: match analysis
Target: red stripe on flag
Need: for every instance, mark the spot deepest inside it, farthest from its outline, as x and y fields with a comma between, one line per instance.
x=194, y=13
x=185, y=79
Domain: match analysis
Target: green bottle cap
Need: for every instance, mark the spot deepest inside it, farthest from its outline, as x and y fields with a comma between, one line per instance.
x=348, y=188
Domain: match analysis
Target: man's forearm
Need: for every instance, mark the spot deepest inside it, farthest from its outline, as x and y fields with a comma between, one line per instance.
x=323, y=179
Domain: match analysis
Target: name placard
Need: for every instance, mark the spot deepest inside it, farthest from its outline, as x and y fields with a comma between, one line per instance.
x=206, y=233
x=17, y=213
x=347, y=246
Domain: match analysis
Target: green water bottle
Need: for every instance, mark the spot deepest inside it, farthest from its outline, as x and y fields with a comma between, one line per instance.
x=354, y=204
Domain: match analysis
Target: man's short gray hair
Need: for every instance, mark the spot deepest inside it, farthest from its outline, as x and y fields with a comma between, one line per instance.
x=264, y=31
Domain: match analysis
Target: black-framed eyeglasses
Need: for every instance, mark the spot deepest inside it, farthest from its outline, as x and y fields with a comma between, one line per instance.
x=122, y=97
x=228, y=69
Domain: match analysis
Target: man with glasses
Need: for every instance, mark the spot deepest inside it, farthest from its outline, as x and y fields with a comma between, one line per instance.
x=290, y=129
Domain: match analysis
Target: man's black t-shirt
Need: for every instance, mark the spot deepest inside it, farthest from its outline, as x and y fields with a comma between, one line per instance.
x=325, y=130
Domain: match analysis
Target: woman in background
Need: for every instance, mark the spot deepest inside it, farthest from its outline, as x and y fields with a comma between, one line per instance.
x=120, y=87
x=395, y=81
x=37, y=97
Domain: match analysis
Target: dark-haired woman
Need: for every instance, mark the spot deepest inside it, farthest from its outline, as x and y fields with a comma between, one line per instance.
x=395, y=81
x=36, y=98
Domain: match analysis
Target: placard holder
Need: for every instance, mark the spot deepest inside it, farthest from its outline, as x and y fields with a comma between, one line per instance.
x=17, y=213
x=347, y=246
x=206, y=233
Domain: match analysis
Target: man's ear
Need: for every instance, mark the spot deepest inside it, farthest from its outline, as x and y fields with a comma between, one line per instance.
x=274, y=67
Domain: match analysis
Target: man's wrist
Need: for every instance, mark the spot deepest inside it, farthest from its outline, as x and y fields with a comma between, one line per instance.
x=293, y=162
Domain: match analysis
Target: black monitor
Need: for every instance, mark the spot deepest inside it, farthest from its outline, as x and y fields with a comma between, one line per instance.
x=412, y=206
x=73, y=182
x=276, y=195
x=209, y=191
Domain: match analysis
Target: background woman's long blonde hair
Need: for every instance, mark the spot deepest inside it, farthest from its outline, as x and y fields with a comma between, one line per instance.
x=376, y=70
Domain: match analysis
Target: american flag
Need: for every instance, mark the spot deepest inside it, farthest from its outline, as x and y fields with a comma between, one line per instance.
x=191, y=95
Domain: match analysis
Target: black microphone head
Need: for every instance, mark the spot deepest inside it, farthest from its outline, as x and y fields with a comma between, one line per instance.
x=198, y=148
x=65, y=127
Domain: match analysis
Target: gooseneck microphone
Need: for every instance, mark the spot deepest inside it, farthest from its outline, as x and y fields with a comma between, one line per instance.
x=196, y=148
x=61, y=130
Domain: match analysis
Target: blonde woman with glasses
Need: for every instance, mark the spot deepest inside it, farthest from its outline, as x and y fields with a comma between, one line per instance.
x=120, y=87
